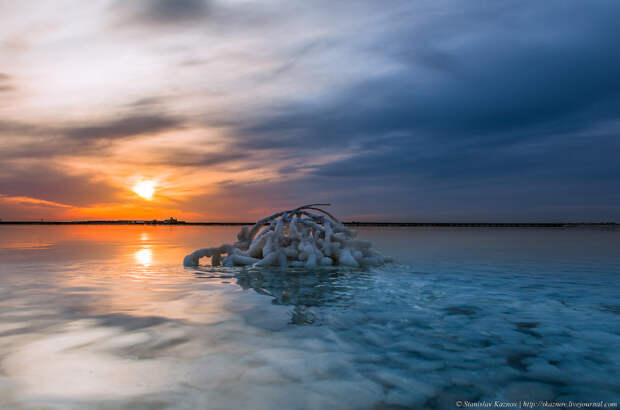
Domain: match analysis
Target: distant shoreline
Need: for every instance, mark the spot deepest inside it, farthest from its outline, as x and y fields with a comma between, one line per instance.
x=352, y=223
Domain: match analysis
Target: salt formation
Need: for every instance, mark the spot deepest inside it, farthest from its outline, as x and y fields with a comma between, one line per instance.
x=305, y=237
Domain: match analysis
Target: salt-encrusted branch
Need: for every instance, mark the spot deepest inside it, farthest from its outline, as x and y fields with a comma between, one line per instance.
x=293, y=238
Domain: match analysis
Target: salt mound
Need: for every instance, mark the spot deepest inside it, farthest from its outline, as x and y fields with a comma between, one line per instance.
x=294, y=238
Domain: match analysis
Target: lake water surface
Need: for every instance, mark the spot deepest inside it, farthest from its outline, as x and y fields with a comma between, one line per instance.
x=106, y=317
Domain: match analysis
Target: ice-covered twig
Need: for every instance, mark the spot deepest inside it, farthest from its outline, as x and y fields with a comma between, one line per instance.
x=293, y=238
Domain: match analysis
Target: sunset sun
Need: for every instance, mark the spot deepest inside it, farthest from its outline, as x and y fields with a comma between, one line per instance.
x=145, y=189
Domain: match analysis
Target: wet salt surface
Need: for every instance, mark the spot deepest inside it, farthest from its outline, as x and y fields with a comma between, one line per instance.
x=106, y=317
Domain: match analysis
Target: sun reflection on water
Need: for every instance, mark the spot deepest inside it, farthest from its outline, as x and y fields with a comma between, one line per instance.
x=144, y=256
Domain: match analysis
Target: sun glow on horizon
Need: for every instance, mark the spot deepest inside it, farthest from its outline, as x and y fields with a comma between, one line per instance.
x=145, y=189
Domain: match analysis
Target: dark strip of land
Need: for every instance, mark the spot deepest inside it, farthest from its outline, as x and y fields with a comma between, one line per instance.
x=352, y=223
x=487, y=224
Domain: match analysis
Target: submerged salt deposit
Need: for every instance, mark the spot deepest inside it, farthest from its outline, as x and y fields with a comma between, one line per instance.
x=306, y=237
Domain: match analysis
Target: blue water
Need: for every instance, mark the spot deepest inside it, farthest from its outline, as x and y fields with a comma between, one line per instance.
x=106, y=317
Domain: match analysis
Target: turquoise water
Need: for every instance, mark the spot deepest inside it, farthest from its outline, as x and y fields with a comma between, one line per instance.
x=106, y=317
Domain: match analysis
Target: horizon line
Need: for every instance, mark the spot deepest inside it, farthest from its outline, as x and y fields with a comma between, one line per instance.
x=349, y=223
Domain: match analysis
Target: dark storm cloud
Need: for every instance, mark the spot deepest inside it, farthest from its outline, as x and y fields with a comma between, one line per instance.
x=48, y=140
x=52, y=184
x=495, y=100
x=147, y=102
x=5, y=83
x=402, y=196
x=16, y=127
x=124, y=127
x=188, y=157
x=166, y=11
x=490, y=89
x=469, y=110
x=580, y=158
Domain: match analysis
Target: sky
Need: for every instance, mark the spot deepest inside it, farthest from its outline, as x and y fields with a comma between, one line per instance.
x=430, y=110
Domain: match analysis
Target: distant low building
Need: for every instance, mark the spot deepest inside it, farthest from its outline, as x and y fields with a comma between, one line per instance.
x=173, y=221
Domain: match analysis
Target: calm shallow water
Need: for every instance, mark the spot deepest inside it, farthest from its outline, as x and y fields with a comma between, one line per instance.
x=106, y=317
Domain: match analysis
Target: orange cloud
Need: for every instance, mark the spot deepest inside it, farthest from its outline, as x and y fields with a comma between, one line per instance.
x=32, y=201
